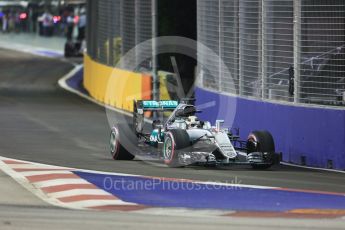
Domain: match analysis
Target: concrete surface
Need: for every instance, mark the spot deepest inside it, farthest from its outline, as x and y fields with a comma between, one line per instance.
x=12, y=193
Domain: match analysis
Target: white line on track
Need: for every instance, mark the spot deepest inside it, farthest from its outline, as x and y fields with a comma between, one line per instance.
x=234, y=186
x=37, y=51
x=94, y=202
x=184, y=212
x=82, y=181
x=70, y=198
x=313, y=168
x=62, y=83
x=30, y=49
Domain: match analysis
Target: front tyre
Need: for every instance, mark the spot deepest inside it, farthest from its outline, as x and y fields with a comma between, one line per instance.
x=175, y=141
x=262, y=142
x=117, y=151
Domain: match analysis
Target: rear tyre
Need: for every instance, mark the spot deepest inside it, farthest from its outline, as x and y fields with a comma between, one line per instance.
x=175, y=141
x=262, y=141
x=117, y=151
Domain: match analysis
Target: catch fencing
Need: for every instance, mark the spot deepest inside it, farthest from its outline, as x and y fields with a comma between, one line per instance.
x=284, y=50
x=116, y=27
x=281, y=50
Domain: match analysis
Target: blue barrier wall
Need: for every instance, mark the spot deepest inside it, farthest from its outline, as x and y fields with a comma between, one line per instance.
x=316, y=133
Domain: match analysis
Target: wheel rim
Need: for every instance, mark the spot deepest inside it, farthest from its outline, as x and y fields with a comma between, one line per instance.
x=113, y=142
x=168, y=149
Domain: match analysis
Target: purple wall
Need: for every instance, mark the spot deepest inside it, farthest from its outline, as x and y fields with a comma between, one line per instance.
x=316, y=133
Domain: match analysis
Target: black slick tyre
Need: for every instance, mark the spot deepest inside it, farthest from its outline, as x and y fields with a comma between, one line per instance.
x=175, y=142
x=117, y=151
x=261, y=141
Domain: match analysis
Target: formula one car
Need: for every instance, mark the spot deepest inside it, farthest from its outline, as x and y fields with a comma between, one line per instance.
x=182, y=139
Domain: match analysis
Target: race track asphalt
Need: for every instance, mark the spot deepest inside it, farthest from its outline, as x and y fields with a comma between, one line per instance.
x=40, y=122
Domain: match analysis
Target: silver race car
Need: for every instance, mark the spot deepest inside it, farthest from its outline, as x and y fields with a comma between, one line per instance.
x=181, y=139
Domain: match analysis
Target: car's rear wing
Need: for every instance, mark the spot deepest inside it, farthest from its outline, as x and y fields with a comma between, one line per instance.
x=142, y=106
x=150, y=105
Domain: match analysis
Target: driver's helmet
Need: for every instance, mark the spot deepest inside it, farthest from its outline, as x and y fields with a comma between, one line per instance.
x=193, y=121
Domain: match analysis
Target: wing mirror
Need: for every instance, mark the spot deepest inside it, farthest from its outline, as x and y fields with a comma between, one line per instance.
x=219, y=124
